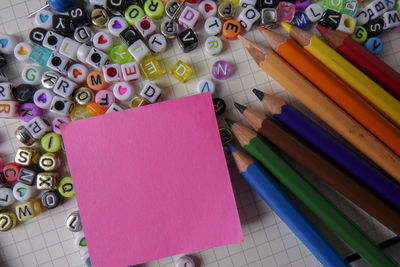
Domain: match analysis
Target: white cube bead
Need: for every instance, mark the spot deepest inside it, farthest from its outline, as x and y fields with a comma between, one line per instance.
x=245, y=3
x=5, y=91
x=61, y=106
x=37, y=127
x=189, y=17
x=52, y=40
x=138, y=50
x=145, y=26
x=42, y=98
x=130, y=71
x=9, y=109
x=69, y=48
x=112, y=72
x=376, y=8
x=347, y=24
x=64, y=87
x=114, y=108
x=248, y=17
x=150, y=92
x=391, y=19
x=58, y=63
x=362, y=16
x=96, y=58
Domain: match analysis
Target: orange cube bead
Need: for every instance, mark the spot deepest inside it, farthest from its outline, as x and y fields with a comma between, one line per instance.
x=95, y=109
x=95, y=81
x=231, y=29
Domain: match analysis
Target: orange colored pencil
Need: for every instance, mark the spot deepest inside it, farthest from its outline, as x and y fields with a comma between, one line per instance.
x=340, y=92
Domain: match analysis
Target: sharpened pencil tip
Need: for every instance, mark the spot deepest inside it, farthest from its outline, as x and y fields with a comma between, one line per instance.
x=259, y=94
x=260, y=28
x=240, y=107
x=229, y=122
x=231, y=148
x=286, y=26
x=321, y=29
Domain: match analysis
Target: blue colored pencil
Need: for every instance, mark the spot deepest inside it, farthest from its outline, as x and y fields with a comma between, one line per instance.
x=279, y=202
x=331, y=147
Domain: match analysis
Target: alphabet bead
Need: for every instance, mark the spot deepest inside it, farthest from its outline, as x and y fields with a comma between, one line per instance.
x=213, y=26
x=36, y=35
x=189, y=17
x=46, y=180
x=171, y=7
x=83, y=52
x=104, y=98
x=248, y=17
x=221, y=70
x=314, y=12
x=185, y=261
x=376, y=8
x=129, y=36
x=51, y=199
x=44, y=19
x=374, y=45
x=78, y=73
x=246, y=3
x=231, y=29
x=31, y=75
x=22, y=51
x=56, y=123
x=26, y=156
x=5, y=91
x=362, y=16
x=112, y=73
x=138, y=50
x=83, y=34
x=151, y=68
x=188, y=40
x=226, y=10
x=116, y=25
x=99, y=17
x=51, y=142
x=122, y=91
x=96, y=58
x=347, y=24
x=62, y=24
x=350, y=8
x=23, y=92
x=69, y=48
x=115, y=6
x=8, y=221
x=138, y=101
x=207, y=9
x=391, y=19
x=65, y=187
x=301, y=21
x=64, y=87
x=61, y=106
x=49, y=162
x=49, y=79
x=95, y=109
x=27, y=176
x=151, y=92
x=80, y=241
x=145, y=26
x=95, y=80
x=58, y=63
x=102, y=41
x=169, y=29
x=8, y=109
x=157, y=43
x=130, y=71
x=73, y=222
x=374, y=27
x=28, y=111
x=285, y=11
x=24, y=136
x=133, y=13
x=28, y=210
x=52, y=40
x=213, y=45
x=154, y=8
x=83, y=96
x=181, y=71
x=78, y=15
x=266, y=4
x=37, y=127
x=23, y=192
x=205, y=86
x=7, y=44
x=114, y=108
x=120, y=54
x=6, y=197
x=332, y=5
x=268, y=17
x=42, y=98
x=219, y=108
x=330, y=19
x=78, y=113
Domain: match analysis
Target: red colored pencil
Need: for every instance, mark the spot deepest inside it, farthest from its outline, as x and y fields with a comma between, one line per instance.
x=367, y=62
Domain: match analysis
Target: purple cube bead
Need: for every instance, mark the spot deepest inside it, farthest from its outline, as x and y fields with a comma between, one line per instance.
x=28, y=111
x=221, y=70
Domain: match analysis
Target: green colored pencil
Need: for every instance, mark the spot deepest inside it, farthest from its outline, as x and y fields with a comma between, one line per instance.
x=269, y=156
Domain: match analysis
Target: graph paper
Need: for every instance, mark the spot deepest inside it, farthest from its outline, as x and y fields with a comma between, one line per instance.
x=45, y=241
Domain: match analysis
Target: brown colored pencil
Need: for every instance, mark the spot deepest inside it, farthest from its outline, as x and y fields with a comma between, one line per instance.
x=324, y=108
x=314, y=161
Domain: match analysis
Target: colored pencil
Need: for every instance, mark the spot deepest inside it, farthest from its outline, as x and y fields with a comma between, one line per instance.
x=360, y=82
x=268, y=156
x=270, y=191
x=300, y=151
x=329, y=83
x=332, y=147
x=324, y=108
x=367, y=62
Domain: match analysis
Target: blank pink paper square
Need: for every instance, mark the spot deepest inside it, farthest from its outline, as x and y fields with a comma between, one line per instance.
x=152, y=182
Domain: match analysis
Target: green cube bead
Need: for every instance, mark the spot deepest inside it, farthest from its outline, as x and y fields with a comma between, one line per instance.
x=154, y=9
x=120, y=54
x=133, y=13
x=350, y=7
x=360, y=34
x=335, y=5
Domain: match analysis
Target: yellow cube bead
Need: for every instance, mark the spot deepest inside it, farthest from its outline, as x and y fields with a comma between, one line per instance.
x=8, y=221
x=181, y=71
x=151, y=68
x=26, y=156
x=28, y=210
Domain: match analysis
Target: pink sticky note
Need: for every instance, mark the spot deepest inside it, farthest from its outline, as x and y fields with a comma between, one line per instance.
x=152, y=182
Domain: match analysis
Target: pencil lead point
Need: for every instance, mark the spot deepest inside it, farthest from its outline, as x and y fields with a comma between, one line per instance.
x=231, y=148
x=240, y=107
x=259, y=94
x=286, y=26
x=260, y=28
x=229, y=122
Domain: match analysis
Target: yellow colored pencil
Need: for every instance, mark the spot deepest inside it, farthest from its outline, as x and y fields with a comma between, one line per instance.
x=366, y=87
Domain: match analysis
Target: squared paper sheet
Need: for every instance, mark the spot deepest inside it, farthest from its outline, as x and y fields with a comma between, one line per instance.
x=152, y=182
x=44, y=241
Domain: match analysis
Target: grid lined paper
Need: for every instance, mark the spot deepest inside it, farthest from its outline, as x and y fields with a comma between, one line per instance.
x=45, y=241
